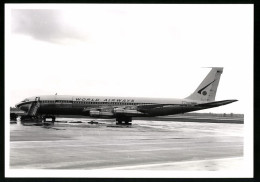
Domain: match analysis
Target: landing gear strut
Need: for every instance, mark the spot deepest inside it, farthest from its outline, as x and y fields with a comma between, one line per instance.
x=124, y=121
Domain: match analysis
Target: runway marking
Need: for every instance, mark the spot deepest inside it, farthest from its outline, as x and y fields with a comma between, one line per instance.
x=169, y=163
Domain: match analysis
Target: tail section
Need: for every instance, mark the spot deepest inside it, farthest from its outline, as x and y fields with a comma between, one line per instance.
x=208, y=88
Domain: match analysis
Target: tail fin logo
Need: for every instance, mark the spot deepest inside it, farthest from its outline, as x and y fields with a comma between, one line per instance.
x=205, y=93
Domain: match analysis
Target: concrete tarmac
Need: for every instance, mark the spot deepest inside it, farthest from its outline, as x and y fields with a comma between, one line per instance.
x=146, y=145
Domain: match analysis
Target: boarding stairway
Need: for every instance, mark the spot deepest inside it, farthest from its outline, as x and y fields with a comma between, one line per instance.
x=34, y=108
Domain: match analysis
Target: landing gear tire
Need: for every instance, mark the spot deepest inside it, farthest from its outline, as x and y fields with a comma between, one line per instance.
x=118, y=121
x=53, y=118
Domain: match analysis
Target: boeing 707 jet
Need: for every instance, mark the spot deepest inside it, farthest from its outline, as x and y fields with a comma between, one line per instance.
x=123, y=109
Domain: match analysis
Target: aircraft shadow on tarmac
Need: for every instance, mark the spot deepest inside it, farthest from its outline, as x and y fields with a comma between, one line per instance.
x=81, y=124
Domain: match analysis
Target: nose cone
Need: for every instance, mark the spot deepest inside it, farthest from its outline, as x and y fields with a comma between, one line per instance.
x=23, y=107
x=18, y=105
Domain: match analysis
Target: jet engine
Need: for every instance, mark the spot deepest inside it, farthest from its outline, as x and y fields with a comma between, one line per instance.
x=96, y=113
x=127, y=112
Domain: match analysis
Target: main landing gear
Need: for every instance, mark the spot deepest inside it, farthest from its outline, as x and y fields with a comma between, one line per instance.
x=124, y=121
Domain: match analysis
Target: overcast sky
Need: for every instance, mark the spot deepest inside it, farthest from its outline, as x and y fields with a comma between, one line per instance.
x=129, y=50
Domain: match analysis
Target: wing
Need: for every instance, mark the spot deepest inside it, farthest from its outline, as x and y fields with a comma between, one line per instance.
x=216, y=104
x=159, y=106
x=145, y=108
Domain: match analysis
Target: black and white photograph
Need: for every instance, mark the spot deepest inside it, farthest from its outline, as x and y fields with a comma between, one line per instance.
x=129, y=90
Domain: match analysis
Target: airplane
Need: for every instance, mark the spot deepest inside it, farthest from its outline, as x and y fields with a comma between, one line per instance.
x=123, y=109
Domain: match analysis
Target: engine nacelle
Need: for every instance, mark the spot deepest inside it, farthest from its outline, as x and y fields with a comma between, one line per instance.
x=120, y=111
x=95, y=113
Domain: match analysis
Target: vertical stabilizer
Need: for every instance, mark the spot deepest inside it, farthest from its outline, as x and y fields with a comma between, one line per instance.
x=208, y=88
